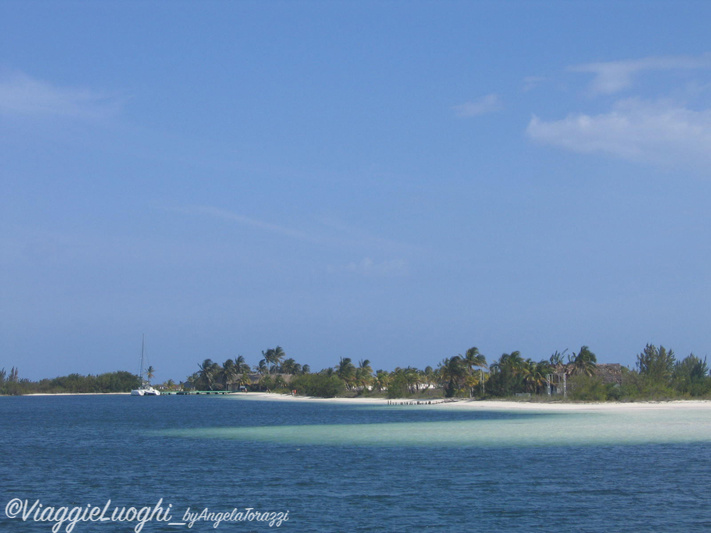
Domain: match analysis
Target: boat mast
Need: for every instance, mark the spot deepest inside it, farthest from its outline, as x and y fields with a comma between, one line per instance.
x=143, y=346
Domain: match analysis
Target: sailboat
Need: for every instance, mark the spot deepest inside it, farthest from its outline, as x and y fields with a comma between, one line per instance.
x=145, y=389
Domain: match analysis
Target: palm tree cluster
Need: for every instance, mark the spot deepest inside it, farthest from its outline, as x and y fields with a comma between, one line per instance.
x=512, y=374
x=267, y=374
x=212, y=376
x=462, y=373
x=467, y=375
x=356, y=378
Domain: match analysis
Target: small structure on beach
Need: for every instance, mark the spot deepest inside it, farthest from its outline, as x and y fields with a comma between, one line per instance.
x=238, y=385
x=609, y=373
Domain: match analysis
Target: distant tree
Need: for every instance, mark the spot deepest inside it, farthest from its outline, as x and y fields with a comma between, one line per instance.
x=556, y=359
x=262, y=368
x=429, y=376
x=536, y=376
x=290, y=366
x=453, y=372
x=228, y=374
x=120, y=381
x=321, y=384
x=241, y=365
x=381, y=380
x=346, y=371
x=475, y=362
x=690, y=376
x=584, y=387
x=507, y=375
x=584, y=362
x=656, y=364
x=266, y=382
x=273, y=357
x=364, y=374
x=207, y=375
x=279, y=382
x=474, y=359
x=410, y=377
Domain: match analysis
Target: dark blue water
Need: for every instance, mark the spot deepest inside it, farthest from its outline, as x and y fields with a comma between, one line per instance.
x=80, y=450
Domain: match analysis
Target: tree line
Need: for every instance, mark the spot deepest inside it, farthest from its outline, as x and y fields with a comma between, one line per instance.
x=658, y=374
x=120, y=381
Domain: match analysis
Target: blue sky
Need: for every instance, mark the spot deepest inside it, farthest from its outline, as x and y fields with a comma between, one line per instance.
x=397, y=181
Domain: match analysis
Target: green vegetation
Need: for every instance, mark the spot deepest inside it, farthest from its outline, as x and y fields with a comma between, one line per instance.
x=657, y=375
x=121, y=381
x=321, y=384
x=577, y=377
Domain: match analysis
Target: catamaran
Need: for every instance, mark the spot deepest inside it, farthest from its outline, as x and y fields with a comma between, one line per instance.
x=145, y=389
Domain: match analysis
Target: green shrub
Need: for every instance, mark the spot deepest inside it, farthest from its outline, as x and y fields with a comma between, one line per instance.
x=321, y=385
x=587, y=388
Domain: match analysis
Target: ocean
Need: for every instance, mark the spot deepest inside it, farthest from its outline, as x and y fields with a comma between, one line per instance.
x=117, y=463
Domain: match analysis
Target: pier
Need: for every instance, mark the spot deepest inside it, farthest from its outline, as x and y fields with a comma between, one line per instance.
x=197, y=392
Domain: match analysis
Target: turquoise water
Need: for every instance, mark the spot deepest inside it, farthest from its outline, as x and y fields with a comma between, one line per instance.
x=338, y=467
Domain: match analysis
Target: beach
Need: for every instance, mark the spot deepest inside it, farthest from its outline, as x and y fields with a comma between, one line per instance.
x=486, y=405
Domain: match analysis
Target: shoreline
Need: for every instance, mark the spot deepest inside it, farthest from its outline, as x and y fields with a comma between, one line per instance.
x=460, y=403
x=483, y=405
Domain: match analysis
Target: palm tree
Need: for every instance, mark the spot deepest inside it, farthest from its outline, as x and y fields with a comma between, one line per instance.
x=507, y=374
x=262, y=367
x=244, y=379
x=585, y=362
x=346, y=371
x=472, y=381
x=410, y=376
x=229, y=371
x=150, y=372
x=273, y=357
x=557, y=358
x=207, y=373
x=453, y=371
x=277, y=357
x=382, y=379
x=538, y=375
x=241, y=365
x=364, y=374
x=289, y=366
x=473, y=359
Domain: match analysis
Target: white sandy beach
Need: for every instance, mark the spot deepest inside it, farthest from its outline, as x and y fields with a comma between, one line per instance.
x=481, y=405
x=490, y=404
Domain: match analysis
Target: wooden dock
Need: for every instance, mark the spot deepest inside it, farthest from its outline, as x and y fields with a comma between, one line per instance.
x=197, y=392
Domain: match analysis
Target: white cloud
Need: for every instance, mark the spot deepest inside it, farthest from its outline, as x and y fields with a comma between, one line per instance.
x=615, y=76
x=26, y=96
x=230, y=216
x=486, y=104
x=345, y=238
x=656, y=132
x=369, y=267
x=532, y=82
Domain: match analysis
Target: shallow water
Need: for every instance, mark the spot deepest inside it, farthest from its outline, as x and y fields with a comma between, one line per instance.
x=339, y=467
x=495, y=429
